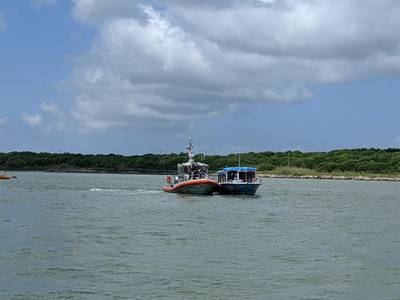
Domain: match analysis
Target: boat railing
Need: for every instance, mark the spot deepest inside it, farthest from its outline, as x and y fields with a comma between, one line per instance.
x=213, y=177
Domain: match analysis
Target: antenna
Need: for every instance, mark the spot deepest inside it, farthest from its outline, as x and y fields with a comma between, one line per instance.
x=200, y=150
x=190, y=150
x=239, y=156
x=201, y=154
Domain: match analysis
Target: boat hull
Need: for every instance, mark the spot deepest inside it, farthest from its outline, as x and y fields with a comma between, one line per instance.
x=238, y=188
x=195, y=187
x=5, y=177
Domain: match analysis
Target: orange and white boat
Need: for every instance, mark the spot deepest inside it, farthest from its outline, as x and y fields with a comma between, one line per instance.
x=195, y=186
x=6, y=177
x=192, y=178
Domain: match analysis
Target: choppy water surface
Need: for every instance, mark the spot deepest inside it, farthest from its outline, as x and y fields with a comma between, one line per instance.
x=89, y=236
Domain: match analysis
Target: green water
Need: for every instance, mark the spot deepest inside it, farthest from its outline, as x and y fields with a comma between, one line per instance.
x=90, y=236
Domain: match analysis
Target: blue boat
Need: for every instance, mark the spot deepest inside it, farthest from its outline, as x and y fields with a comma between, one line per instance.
x=238, y=181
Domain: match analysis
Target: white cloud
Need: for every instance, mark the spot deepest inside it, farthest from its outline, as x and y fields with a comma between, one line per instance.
x=52, y=109
x=32, y=120
x=97, y=11
x=187, y=59
x=306, y=29
x=54, y=118
x=50, y=118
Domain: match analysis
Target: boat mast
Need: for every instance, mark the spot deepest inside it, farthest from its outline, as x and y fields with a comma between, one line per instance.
x=190, y=150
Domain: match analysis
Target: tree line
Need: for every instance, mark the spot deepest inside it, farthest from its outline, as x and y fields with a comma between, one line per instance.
x=371, y=160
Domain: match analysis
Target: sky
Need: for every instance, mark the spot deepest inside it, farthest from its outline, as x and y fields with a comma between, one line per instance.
x=140, y=76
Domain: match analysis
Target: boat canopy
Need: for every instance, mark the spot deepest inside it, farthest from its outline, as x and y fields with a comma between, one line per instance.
x=244, y=174
x=238, y=169
x=193, y=169
x=196, y=164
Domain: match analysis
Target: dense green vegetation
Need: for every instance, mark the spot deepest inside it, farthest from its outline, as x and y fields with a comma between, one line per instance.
x=365, y=161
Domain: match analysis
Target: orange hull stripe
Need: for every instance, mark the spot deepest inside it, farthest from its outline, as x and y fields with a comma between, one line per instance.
x=189, y=183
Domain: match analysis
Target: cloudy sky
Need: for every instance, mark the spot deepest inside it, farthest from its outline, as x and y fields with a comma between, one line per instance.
x=138, y=76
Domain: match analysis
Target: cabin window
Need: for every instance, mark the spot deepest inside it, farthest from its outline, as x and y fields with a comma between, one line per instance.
x=221, y=177
x=246, y=176
x=242, y=176
x=231, y=175
x=250, y=176
x=180, y=169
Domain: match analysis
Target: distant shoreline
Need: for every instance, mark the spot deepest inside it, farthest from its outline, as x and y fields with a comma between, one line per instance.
x=261, y=175
x=88, y=171
x=332, y=177
x=342, y=164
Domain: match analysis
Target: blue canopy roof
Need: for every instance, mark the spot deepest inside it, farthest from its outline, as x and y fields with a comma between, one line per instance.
x=238, y=169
